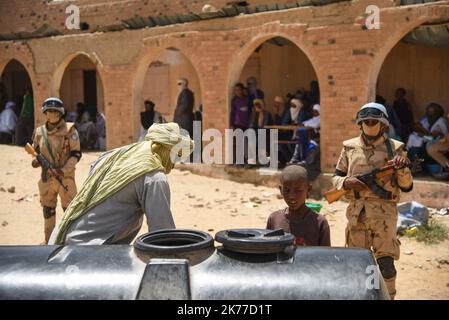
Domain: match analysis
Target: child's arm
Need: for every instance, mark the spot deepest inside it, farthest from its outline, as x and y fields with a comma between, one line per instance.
x=269, y=226
x=325, y=234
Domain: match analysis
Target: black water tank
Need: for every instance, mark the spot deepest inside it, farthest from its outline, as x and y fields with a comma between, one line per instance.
x=184, y=264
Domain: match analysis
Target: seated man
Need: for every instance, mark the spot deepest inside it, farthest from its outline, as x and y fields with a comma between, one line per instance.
x=307, y=150
x=85, y=127
x=8, y=121
x=431, y=128
x=260, y=116
x=308, y=227
x=300, y=111
x=279, y=110
x=123, y=185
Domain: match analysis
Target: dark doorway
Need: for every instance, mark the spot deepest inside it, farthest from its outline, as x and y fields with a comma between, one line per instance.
x=90, y=91
x=15, y=87
x=15, y=81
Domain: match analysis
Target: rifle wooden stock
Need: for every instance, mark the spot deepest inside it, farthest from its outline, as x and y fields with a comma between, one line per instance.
x=29, y=148
x=334, y=194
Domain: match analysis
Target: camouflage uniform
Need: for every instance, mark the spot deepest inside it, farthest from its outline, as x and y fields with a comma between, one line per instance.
x=64, y=153
x=371, y=219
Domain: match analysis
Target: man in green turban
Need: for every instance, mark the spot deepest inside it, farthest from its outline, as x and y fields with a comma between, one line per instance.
x=124, y=184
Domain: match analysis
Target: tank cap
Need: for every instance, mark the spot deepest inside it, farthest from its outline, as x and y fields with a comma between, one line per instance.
x=174, y=241
x=258, y=241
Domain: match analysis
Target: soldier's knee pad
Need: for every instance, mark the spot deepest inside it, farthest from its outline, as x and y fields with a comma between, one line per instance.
x=49, y=212
x=386, y=266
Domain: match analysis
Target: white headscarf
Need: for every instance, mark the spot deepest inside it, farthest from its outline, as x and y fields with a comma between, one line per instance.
x=8, y=118
x=294, y=112
x=10, y=105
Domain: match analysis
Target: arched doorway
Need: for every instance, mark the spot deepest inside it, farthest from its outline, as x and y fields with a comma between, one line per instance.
x=157, y=81
x=78, y=83
x=417, y=65
x=281, y=69
x=16, y=87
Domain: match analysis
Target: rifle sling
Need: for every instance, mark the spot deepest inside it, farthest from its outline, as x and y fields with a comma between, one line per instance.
x=389, y=148
x=47, y=143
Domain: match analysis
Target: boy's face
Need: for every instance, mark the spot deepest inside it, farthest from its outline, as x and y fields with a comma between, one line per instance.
x=294, y=193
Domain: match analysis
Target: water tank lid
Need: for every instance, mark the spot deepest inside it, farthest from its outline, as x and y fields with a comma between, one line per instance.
x=258, y=241
x=174, y=241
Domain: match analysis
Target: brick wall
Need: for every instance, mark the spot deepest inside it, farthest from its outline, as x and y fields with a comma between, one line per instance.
x=346, y=58
x=32, y=15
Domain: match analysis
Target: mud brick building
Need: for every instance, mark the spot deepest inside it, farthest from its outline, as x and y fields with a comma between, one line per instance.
x=133, y=50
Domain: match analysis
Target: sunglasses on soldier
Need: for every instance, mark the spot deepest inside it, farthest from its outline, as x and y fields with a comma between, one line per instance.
x=53, y=104
x=370, y=113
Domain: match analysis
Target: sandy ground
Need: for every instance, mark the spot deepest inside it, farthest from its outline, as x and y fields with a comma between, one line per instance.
x=211, y=205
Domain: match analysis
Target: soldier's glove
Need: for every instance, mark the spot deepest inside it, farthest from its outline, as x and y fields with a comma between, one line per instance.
x=401, y=162
x=55, y=172
x=352, y=183
x=35, y=163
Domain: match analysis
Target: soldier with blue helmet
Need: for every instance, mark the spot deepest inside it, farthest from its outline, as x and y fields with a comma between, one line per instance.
x=59, y=143
x=371, y=218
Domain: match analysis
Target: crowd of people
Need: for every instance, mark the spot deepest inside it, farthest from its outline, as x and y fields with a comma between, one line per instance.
x=301, y=109
x=426, y=140
x=91, y=126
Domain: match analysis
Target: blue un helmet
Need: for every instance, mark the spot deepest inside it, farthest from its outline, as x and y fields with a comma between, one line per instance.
x=53, y=104
x=373, y=111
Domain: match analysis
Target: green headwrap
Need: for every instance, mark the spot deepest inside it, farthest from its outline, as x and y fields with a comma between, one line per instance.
x=157, y=152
